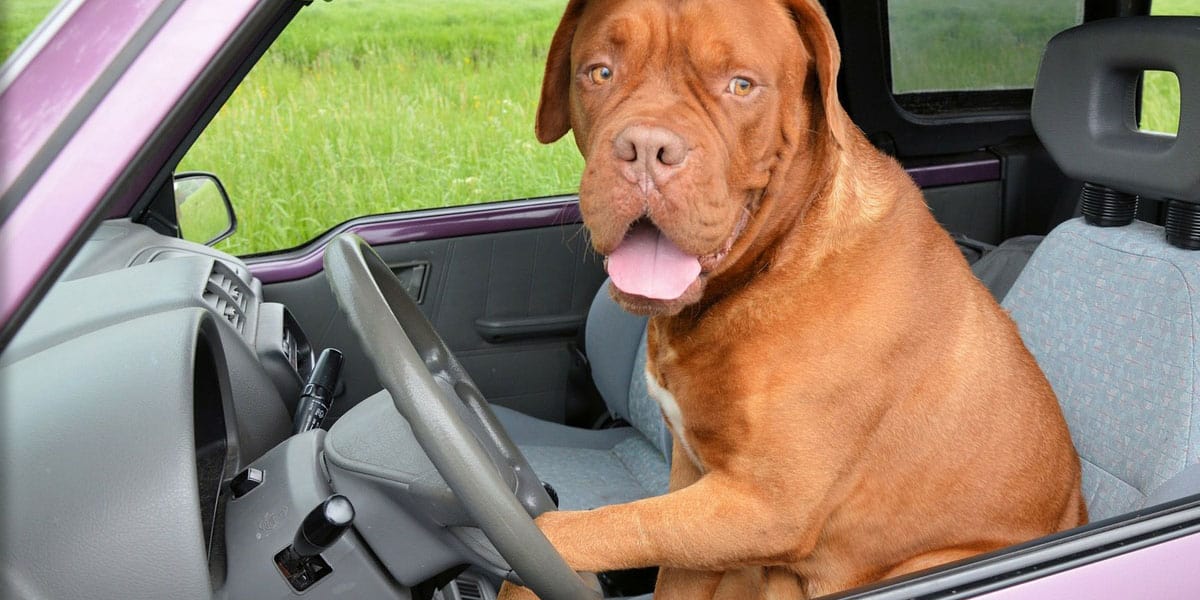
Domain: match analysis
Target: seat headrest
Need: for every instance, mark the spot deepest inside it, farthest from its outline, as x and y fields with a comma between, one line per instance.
x=1084, y=105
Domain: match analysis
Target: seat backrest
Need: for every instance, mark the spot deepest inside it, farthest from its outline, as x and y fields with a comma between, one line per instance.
x=616, y=349
x=1111, y=317
x=1112, y=314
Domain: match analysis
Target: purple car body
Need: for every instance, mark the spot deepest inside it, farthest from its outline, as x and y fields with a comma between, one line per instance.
x=78, y=133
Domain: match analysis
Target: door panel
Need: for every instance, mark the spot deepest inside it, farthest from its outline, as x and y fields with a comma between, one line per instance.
x=547, y=274
x=970, y=209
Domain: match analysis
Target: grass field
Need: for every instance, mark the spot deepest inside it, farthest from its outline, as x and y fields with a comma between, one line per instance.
x=374, y=106
x=370, y=107
x=972, y=44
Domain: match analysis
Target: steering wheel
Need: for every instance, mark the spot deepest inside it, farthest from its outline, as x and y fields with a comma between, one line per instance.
x=430, y=388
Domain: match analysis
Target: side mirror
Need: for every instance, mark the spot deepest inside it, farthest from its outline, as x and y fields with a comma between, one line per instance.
x=202, y=208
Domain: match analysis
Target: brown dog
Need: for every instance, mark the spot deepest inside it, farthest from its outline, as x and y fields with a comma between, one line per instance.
x=848, y=402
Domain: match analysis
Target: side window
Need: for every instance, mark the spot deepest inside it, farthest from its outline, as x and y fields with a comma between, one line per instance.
x=380, y=106
x=1160, y=89
x=942, y=53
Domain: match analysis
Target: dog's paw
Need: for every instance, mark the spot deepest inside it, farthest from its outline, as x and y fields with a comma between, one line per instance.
x=512, y=591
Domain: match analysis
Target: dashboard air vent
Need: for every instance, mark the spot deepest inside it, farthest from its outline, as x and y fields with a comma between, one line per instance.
x=227, y=294
x=468, y=589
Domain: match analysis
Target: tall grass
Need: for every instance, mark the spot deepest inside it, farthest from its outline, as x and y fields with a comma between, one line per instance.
x=972, y=44
x=1160, y=91
x=18, y=18
x=370, y=107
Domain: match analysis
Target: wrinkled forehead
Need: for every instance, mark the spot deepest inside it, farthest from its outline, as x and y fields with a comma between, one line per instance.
x=711, y=33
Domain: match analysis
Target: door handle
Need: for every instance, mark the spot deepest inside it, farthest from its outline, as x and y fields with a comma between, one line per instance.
x=412, y=276
x=502, y=329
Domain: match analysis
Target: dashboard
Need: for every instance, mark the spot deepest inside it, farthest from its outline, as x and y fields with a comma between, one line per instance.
x=149, y=375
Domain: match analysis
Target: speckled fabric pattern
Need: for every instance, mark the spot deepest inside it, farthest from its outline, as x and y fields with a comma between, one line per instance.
x=636, y=466
x=591, y=468
x=1111, y=316
x=588, y=467
x=644, y=412
x=646, y=463
x=587, y=478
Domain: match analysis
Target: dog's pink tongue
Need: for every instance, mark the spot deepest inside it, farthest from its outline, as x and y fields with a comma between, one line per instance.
x=650, y=265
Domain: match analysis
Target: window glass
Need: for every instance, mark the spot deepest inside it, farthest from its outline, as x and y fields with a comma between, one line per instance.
x=1160, y=89
x=365, y=107
x=969, y=45
x=18, y=19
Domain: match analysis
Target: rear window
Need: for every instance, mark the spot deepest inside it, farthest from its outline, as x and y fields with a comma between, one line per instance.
x=971, y=54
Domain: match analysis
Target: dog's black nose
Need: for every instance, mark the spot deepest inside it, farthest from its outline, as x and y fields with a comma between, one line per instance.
x=653, y=154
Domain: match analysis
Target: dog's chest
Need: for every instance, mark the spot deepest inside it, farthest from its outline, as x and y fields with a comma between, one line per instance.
x=670, y=408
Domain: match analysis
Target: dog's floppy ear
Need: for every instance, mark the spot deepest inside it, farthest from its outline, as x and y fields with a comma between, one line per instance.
x=817, y=33
x=553, y=114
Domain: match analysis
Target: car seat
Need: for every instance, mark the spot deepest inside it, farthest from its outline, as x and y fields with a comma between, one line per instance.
x=1108, y=305
x=590, y=468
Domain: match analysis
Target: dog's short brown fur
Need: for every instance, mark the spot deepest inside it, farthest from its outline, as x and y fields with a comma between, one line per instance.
x=852, y=403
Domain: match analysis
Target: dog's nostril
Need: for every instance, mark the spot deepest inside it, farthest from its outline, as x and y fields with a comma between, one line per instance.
x=624, y=149
x=672, y=154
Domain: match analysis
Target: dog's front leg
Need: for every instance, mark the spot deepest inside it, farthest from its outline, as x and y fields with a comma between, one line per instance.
x=683, y=583
x=716, y=524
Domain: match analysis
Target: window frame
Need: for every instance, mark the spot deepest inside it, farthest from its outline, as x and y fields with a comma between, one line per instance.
x=957, y=122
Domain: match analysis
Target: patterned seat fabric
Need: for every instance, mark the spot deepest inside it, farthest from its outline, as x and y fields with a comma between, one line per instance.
x=591, y=468
x=1111, y=314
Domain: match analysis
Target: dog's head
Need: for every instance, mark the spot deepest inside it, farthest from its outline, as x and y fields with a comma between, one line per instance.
x=687, y=112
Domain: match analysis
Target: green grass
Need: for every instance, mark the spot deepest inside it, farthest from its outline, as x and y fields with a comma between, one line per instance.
x=1160, y=91
x=374, y=106
x=19, y=18
x=972, y=44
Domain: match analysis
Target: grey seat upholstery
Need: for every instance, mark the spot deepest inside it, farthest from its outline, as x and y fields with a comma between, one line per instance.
x=1111, y=313
x=591, y=468
x=999, y=268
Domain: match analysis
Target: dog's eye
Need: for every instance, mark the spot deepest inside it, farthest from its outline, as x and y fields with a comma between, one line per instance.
x=600, y=75
x=739, y=86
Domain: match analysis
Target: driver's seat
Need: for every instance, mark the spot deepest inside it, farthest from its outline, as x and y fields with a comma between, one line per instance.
x=590, y=468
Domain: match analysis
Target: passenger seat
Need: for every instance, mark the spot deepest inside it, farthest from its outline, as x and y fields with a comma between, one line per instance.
x=590, y=468
x=1000, y=267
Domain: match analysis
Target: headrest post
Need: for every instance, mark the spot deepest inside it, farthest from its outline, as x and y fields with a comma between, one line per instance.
x=1105, y=207
x=1183, y=225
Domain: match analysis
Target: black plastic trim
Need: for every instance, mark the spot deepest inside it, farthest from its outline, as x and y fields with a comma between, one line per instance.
x=498, y=330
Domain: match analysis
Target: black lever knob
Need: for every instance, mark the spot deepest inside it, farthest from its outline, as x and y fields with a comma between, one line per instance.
x=323, y=526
